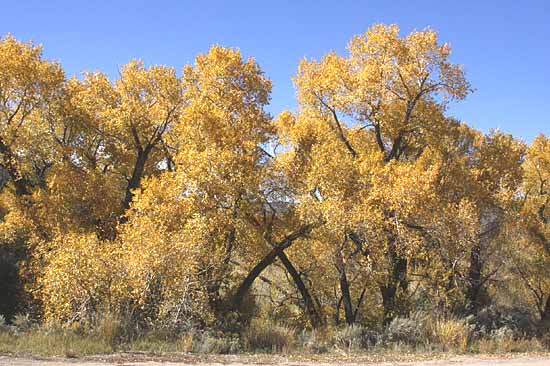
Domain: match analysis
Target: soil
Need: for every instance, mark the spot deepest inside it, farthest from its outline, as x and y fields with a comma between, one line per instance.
x=200, y=360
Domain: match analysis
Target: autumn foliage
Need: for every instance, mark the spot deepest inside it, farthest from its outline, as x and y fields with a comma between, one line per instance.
x=173, y=197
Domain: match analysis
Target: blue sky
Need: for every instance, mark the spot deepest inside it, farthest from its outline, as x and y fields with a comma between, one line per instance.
x=504, y=45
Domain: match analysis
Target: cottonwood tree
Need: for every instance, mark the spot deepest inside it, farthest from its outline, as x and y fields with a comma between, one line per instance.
x=478, y=176
x=215, y=202
x=356, y=143
x=133, y=116
x=29, y=85
x=168, y=197
x=531, y=229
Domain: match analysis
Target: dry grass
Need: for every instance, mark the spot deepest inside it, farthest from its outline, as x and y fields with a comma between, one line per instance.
x=64, y=344
x=451, y=334
x=264, y=335
x=111, y=334
x=508, y=345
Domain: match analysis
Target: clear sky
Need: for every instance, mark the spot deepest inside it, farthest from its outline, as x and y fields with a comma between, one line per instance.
x=504, y=45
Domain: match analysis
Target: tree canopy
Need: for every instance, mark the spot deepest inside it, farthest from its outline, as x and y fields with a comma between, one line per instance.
x=174, y=196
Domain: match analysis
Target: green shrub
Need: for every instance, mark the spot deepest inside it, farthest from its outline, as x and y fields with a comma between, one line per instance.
x=413, y=330
x=493, y=318
x=66, y=343
x=216, y=343
x=22, y=322
x=13, y=252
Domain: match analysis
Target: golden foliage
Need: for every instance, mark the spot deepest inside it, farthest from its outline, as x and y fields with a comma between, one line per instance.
x=161, y=195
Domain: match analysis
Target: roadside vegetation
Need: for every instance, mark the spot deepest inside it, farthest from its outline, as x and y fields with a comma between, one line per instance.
x=420, y=334
x=167, y=211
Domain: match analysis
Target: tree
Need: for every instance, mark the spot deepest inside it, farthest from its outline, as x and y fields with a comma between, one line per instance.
x=133, y=116
x=363, y=121
x=531, y=252
x=29, y=84
x=478, y=176
x=167, y=198
x=206, y=201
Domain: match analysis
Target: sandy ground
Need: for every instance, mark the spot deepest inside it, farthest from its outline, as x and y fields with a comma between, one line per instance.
x=131, y=360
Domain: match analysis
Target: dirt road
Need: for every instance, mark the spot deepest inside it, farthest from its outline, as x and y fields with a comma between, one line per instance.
x=505, y=360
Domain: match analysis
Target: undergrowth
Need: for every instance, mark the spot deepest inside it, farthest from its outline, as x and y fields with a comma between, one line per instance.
x=418, y=333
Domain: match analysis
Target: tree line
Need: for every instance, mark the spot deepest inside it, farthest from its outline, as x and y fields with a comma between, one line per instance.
x=175, y=197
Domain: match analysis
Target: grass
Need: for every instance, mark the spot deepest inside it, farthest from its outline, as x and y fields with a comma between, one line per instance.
x=405, y=336
x=508, y=345
x=73, y=344
x=40, y=343
x=267, y=336
x=452, y=334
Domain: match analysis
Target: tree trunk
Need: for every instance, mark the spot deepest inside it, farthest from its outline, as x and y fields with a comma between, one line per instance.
x=344, y=288
x=246, y=284
x=397, y=278
x=21, y=187
x=388, y=292
x=337, y=312
x=474, y=279
x=313, y=315
x=267, y=260
x=346, y=298
x=135, y=180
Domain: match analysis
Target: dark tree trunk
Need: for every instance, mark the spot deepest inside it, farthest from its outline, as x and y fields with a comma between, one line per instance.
x=344, y=288
x=21, y=187
x=388, y=292
x=474, y=279
x=490, y=222
x=137, y=174
x=267, y=260
x=397, y=279
x=246, y=284
x=359, y=302
x=346, y=298
x=337, y=311
x=313, y=315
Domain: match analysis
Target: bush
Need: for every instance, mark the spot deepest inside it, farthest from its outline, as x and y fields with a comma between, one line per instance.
x=451, y=334
x=216, y=343
x=413, y=330
x=266, y=336
x=111, y=328
x=310, y=341
x=354, y=338
x=13, y=252
x=52, y=341
x=420, y=329
x=503, y=340
x=493, y=319
x=22, y=323
x=83, y=277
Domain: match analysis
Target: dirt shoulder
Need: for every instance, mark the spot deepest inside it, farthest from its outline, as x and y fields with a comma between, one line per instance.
x=383, y=360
